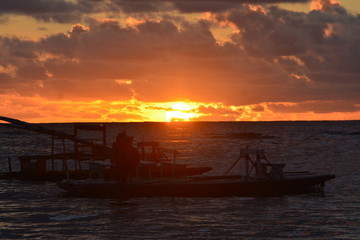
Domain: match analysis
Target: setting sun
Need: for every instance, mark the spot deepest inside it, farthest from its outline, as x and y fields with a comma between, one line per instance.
x=180, y=112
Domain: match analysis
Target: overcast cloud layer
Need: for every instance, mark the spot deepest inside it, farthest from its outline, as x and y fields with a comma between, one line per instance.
x=65, y=11
x=284, y=61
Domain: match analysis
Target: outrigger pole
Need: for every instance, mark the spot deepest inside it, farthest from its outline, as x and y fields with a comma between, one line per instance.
x=36, y=128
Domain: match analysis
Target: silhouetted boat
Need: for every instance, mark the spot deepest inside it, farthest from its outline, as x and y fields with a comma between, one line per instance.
x=219, y=186
x=154, y=162
x=261, y=178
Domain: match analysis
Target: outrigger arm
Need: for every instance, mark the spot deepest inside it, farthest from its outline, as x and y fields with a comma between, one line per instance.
x=37, y=128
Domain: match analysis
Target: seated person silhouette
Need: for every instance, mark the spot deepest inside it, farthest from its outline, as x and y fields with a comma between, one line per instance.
x=124, y=157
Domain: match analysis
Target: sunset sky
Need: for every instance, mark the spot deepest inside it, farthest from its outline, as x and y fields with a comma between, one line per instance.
x=162, y=60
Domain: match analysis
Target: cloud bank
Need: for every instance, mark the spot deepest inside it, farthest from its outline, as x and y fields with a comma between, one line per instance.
x=64, y=11
x=274, y=60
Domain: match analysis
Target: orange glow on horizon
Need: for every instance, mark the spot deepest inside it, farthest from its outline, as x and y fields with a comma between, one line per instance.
x=37, y=109
x=180, y=112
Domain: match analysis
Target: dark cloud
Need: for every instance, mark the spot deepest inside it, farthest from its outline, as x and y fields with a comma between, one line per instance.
x=316, y=107
x=63, y=11
x=219, y=6
x=35, y=6
x=54, y=11
x=31, y=72
x=213, y=110
x=190, y=6
x=138, y=6
x=16, y=48
x=230, y=1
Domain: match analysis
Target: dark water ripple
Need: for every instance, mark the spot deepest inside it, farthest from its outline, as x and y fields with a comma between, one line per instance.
x=40, y=211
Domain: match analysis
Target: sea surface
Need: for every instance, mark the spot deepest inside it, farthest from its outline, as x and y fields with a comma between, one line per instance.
x=40, y=210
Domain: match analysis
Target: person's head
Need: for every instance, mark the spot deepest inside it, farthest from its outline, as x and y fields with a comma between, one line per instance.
x=121, y=136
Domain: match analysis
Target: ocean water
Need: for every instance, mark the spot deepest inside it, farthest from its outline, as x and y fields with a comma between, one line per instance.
x=33, y=210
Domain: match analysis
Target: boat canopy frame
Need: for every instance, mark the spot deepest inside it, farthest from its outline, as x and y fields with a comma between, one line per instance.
x=257, y=165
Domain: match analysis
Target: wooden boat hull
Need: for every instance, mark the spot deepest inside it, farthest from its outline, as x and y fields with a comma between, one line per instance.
x=197, y=187
x=145, y=172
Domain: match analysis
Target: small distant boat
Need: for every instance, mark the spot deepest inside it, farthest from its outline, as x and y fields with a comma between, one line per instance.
x=261, y=178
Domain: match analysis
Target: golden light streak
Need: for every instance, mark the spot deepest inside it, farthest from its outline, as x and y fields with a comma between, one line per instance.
x=123, y=81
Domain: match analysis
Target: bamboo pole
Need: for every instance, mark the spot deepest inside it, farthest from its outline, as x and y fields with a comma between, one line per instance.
x=52, y=152
x=9, y=163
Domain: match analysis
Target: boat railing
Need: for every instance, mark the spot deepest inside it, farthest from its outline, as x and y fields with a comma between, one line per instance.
x=98, y=169
x=151, y=153
x=72, y=154
x=257, y=165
